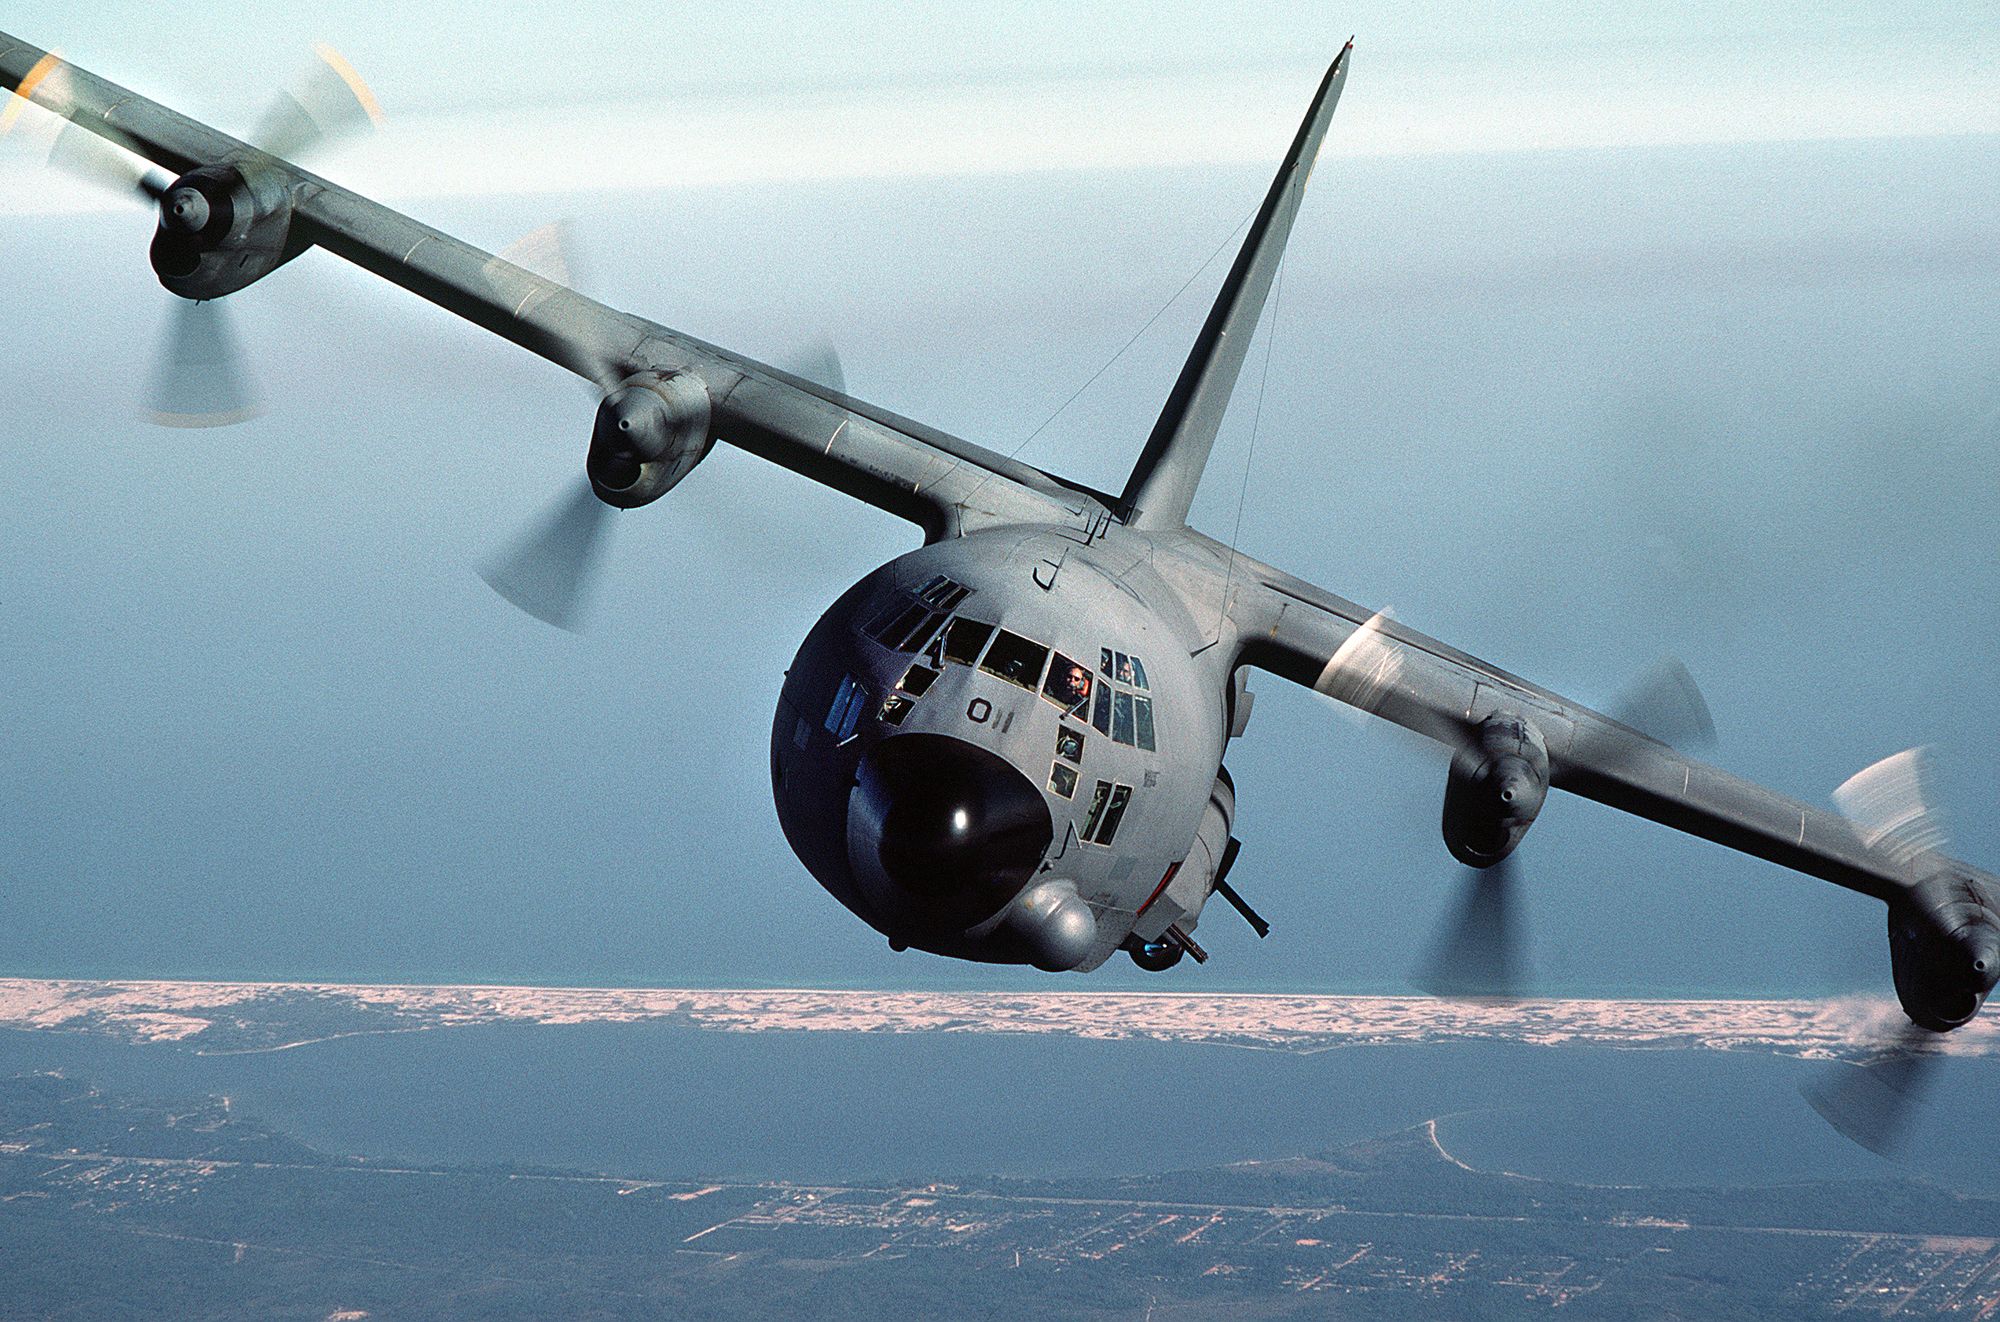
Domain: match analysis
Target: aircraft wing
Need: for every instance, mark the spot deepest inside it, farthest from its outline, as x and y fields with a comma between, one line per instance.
x=1340, y=649
x=938, y=481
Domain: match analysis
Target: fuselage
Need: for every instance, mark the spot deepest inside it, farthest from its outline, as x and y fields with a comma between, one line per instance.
x=1007, y=747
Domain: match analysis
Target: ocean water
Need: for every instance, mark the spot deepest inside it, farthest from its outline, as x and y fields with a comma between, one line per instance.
x=673, y=1102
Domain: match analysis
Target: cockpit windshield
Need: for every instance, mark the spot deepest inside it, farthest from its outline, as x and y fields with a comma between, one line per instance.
x=1015, y=659
x=1125, y=712
x=1068, y=684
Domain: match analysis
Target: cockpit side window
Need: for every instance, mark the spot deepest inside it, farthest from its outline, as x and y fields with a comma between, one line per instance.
x=1069, y=744
x=1122, y=713
x=849, y=700
x=1107, y=809
x=1097, y=800
x=1121, y=795
x=1121, y=718
x=1015, y=659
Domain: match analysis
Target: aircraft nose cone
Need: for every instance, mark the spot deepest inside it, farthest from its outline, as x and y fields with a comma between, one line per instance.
x=951, y=825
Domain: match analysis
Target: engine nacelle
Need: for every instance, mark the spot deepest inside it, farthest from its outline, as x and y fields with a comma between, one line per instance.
x=1498, y=782
x=221, y=230
x=650, y=433
x=1944, y=950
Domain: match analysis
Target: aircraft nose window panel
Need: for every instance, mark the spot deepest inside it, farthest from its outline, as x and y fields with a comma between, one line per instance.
x=917, y=680
x=1016, y=660
x=1107, y=809
x=1125, y=716
x=1069, y=744
x=963, y=640
x=895, y=707
x=1068, y=684
x=849, y=700
x=942, y=593
x=1062, y=780
x=908, y=620
x=1121, y=795
x=1097, y=800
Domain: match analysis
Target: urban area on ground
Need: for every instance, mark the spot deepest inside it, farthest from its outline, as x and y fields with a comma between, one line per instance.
x=116, y=1203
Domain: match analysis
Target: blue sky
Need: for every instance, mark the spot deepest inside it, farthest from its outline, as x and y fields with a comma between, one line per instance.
x=1602, y=337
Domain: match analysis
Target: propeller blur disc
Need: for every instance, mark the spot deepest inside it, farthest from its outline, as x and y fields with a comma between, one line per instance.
x=199, y=379
x=819, y=363
x=329, y=103
x=1666, y=703
x=1875, y=1103
x=1478, y=953
x=550, y=569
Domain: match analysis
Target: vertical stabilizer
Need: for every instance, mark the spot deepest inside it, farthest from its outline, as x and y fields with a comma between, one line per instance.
x=1162, y=485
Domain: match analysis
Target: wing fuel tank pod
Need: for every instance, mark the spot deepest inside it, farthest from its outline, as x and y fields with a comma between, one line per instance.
x=650, y=433
x=222, y=230
x=1499, y=779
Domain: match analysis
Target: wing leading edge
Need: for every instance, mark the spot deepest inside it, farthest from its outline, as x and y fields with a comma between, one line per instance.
x=944, y=484
x=1340, y=649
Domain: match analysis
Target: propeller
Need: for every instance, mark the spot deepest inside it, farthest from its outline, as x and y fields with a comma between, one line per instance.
x=199, y=378
x=1477, y=952
x=550, y=568
x=1480, y=948
x=1666, y=703
x=1876, y=1099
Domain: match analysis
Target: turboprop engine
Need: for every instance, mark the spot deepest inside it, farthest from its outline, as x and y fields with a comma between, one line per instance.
x=1944, y=950
x=1498, y=781
x=650, y=433
x=220, y=230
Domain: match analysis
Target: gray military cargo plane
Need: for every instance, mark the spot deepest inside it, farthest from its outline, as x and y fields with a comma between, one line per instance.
x=1007, y=745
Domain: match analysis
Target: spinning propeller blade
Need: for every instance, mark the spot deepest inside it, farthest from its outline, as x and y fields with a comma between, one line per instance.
x=1666, y=703
x=1479, y=949
x=549, y=571
x=199, y=379
x=329, y=102
x=819, y=363
x=1875, y=1103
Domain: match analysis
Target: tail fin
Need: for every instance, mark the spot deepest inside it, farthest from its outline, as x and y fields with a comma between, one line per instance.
x=1162, y=485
